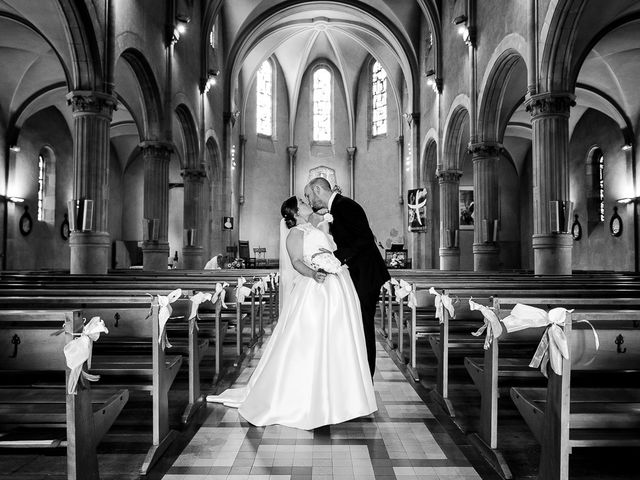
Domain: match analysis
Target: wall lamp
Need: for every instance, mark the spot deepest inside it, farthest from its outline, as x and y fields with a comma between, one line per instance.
x=463, y=29
x=434, y=82
x=12, y=199
x=627, y=200
x=626, y=147
x=212, y=77
x=14, y=148
x=180, y=27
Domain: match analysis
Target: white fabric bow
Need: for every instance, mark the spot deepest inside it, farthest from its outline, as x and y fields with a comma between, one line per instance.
x=403, y=290
x=196, y=300
x=553, y=345
x=164, y=314
x=241, y=291
x=442, y=301
x=491, y=323
x=389, y=284
x=219, y=294
x=79, y=350
x=259, y=286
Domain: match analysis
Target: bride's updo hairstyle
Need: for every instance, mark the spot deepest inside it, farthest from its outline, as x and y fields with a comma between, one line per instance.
x=288, y=210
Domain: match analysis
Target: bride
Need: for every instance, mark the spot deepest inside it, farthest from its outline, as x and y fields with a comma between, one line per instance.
x=314, y=370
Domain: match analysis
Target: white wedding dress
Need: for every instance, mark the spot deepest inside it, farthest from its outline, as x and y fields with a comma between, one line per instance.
x=314, y=369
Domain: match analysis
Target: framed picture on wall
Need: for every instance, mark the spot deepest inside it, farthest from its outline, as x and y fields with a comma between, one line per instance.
x=417, y=201
x=227, y=223
x=466, y=208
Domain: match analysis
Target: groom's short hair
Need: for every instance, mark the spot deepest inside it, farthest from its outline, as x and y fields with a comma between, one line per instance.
x=321, y=182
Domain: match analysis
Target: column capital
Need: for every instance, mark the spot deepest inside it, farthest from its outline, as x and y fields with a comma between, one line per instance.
x=351, y=151
x=90, y=102
x=448, y=176
x=231, y=117
x=412, y=118
x=292, y=150
x=553, y=103
x=156, y=149
x=485, y=149
x=193, y=174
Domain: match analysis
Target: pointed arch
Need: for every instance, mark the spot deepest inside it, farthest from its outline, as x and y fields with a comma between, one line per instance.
x=190, y=135
x=457, y=119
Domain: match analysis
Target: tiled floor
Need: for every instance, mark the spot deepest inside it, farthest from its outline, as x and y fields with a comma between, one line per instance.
x=402, y=440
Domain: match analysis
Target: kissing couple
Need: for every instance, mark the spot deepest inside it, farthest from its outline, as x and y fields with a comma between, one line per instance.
x=318, y=366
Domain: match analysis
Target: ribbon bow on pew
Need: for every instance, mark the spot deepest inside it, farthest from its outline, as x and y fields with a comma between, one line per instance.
x=388, y=285
x=403, y=290
x=443, y=301
x=79, y=350
x=242, y=292
x=164, y=314
x=219, y=294
x=260, y=285
x=196, y=300
x=491, y=323
x=553, y=344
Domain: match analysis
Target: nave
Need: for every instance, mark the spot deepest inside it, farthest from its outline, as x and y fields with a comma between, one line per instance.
x=403, y=440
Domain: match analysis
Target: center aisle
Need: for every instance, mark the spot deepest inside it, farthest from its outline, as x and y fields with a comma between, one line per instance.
x=401, y=440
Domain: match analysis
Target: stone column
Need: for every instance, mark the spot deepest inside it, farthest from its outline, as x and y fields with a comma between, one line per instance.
x=292, y=151
x=242, y=166
x=351, y=152
x=90, y=250
x=550, y=145
x=156, y=203
x=485, y=187
x=194, y=206
x=449, y=181
x=400, y=142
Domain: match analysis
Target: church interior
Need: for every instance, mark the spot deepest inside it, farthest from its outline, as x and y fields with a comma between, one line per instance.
x=148, y=145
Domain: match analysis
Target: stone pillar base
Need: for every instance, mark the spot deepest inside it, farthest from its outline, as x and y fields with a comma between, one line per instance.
x=155, y=256
x=552, y=254
x=90, y=252
x=449, y=259
x=486, y=257
x=192, y=258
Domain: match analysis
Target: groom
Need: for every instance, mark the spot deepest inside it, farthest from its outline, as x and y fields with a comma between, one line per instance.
x=356, y=247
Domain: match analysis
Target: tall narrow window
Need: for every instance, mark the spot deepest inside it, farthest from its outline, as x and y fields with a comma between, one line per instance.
x=322, y=105
x=379, y=100
x=42, y=165
x=600, y=186
x=264, y=94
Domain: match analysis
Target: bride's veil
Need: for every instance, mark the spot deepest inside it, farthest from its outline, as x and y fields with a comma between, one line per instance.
x=287, y=273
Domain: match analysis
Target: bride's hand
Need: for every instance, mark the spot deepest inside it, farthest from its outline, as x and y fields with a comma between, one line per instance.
x=319, y=276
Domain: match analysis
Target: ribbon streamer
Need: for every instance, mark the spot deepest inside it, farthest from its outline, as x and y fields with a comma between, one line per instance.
x=80, y=350
x=196, y=300
x=491, y=323
x=219, y=294
x=164, y=314
x=442, y=301
x=259, y=286
x=242, y=292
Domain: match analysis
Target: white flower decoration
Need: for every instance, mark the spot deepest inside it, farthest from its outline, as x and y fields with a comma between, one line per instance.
x=327, y=217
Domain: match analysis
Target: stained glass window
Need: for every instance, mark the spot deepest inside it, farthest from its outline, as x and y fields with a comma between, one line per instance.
x=264, y=94
x=322, y=105
x=41, y=182
x=600, y=170
x=379, y=100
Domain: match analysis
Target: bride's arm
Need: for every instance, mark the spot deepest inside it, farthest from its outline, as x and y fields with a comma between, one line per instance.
x=294, y=249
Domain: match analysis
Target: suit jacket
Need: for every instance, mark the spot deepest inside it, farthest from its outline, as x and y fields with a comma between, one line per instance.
x=356, y=245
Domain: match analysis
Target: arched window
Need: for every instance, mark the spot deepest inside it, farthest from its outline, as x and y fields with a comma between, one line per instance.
x=42, y=168
x=322, y=105
x=212, y=36
x=46, y=185
x=264, y=99
x=599, y=166
x=378, y=100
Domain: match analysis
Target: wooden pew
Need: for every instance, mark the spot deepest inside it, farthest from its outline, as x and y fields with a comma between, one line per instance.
x=562, y=417
x=494, y=366
x=48, y=418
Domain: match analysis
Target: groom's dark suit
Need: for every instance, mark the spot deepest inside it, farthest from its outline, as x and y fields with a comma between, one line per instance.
x=357, y=248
